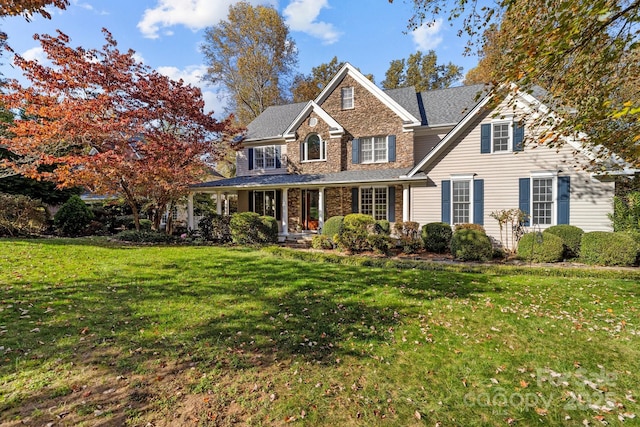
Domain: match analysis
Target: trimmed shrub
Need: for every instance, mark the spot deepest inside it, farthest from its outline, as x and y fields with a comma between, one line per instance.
x=540, y=247
x=357, y=227
x=380, y=243
x=471, y=245
x=437, y=237
x=21, y=215
x=320, y=241
x=382, y=226
x=360, y=222
x=333, y=226
x=609, y=248
x=469, y=226
x=249, y=228
x=144, y=236
x=215, y=228
x=571, y=237
x=73, y=217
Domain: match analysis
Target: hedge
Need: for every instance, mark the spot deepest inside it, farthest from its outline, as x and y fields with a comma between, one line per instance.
x=571, y=237
x=540, y=247
x=471, y=245
x=609, y=248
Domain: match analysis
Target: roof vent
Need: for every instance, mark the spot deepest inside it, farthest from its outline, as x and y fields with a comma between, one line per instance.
x=313, y=121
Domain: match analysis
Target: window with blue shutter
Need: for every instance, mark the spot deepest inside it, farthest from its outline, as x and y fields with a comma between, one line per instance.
x=391, y=206
x=354, y=199
x=524, y=198
x=278, y=155
x=485, y=138
x=518, y=137
x=478, y=201
x=250, y=155
x=446, y=201
x=391, y=139
x=564, y=193
x=355, y=151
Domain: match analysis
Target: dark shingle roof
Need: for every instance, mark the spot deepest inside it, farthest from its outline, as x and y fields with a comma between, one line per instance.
x=450, y=105
x=344, y=177
x=406, y=97
x=274, y=121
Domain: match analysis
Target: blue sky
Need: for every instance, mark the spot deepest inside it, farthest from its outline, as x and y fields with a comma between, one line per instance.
x=166, y=34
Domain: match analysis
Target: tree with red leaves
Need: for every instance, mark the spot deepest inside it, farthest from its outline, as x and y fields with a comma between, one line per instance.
x=29, y=7
x=110, y=124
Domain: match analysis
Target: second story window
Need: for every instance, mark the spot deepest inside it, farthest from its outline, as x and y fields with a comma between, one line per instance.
x=374, y=149
x=264, y=157
x=347, y=98
x=501, y=137
x=313, y=148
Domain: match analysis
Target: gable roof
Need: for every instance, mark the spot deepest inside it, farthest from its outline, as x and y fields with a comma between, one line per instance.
x=449, y=106
x=335, y=130
x=274, y=121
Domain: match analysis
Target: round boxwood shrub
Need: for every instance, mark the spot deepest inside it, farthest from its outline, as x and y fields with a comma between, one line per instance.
x=471, y=245
x=333, y=226
x=607, y=248
x=571, y=237
x=249, y=228
x=540, y=247
x=268, y=230
x=437, y=236
x=357, y=228
x=73, y=217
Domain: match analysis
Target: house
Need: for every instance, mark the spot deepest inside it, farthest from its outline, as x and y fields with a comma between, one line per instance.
x=443, y=155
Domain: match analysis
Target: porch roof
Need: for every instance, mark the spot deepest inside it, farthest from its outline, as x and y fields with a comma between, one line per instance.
x=312, y=180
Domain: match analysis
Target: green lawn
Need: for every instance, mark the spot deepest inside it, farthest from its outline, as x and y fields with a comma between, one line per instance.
x=95, y=333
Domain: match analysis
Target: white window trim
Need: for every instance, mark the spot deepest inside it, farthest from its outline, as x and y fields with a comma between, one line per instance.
x=305, y=149
x=509, y=123
x=373, y=148
x=554, y=196
x=265, y=167
x=275, y=207
x=469, y=178
x=373, y=202
x=352, y=98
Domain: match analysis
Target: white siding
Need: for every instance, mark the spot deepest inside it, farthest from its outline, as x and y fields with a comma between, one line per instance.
x=590, y=200
x=423, y=144
x=242, y=164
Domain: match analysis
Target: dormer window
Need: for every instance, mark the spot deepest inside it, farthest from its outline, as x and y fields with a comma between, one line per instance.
x=347, y=98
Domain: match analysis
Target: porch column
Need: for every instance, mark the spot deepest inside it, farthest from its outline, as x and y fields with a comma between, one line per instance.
x=219, y=203
x=321, y=208
x=226, y=204
x=405, y=203
x=285, y=212
x=190, y=212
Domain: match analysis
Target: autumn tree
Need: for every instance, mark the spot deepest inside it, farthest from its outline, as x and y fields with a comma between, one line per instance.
x=422, y=71
x=586, y=54
x=110, y=124
x=27, y=8
x=251, y=55
x=306, y=87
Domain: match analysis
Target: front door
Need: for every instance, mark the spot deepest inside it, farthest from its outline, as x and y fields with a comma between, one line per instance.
x=310, y=211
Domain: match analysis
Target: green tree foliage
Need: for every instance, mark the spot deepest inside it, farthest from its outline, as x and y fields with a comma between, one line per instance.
x=586, y=54
x=306, y=87
x=251, y=55
x=421, y=71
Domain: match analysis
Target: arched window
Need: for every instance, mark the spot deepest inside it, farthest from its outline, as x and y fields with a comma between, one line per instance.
x=313, y=148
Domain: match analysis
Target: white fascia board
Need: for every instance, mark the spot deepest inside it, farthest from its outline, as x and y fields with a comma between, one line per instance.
x=335, y=130
x=409, y=121
x=257, y=142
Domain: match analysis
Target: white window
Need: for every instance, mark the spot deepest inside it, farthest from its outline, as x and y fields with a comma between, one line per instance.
x=314, y=148
x=264, y=202
x=501, y=138
x=347, y=98
x=374, y=202
x=374, y=149
x=542, y=198
x=264, y=157
x=461, y=201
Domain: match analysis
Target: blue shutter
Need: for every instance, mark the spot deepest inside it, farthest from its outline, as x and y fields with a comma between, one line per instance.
x=391, y=140
x=302, y=151
x=250, y=201
x=277, y=153
x=354, y=199
x=478, y=201
x=391, y=205
x=524, y=198
x=564, y=192
x=518, y=137
x=355, y=151
x=250, y=155
x=485, y=138
x=446, y=201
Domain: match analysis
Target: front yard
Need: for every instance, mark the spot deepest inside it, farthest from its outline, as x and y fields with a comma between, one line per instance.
x=93, y=332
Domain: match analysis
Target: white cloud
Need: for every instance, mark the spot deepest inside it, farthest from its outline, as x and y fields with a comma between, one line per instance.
x=194, y=14
x=301, y=15
x=35, y=54
x=213, y=99
x=427, y=37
